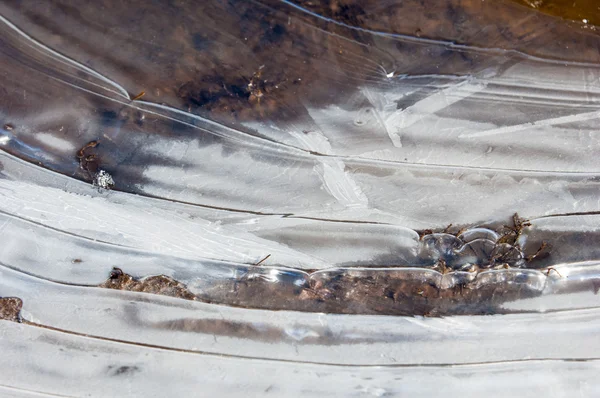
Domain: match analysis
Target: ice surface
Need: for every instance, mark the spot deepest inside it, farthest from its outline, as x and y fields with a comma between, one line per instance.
x=348, y=191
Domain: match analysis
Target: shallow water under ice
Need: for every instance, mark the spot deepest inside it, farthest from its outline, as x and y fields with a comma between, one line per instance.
x=321, y=187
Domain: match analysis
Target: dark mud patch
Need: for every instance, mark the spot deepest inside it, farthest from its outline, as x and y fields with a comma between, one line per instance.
x=160, y=284
x=10, y=309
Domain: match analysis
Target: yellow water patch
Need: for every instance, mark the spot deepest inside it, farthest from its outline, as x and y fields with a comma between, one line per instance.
x=585, y=11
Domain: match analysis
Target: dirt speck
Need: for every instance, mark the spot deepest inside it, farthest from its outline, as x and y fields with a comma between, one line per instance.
x=122, y=370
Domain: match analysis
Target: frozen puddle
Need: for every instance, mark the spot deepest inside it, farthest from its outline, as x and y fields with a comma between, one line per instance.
x=347, y=200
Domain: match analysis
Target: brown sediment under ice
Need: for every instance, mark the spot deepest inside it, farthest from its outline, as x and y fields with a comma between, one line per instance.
x=361, y=291
x=160, y=284
x=10, y=308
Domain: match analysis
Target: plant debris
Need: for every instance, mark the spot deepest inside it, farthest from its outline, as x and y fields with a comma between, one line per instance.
x=140, y=95
x=88, y=161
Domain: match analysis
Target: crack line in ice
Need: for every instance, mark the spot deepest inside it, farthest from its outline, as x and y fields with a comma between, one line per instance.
x=63, y=59
x=580, y=117
x=357, y=160
x=60, y=231
x=449, y=44
x=29, y=320
x=583, y=213
x=260, y=141
x=385, y=74
x=325, y=364
x=391, y=131
x=242, y=137
x=18, y=392
x=164, y=233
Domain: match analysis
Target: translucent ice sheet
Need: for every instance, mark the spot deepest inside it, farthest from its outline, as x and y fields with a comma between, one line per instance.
x=348, y=198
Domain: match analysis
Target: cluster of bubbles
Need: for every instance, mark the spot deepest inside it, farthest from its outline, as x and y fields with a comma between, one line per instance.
x=471, y=250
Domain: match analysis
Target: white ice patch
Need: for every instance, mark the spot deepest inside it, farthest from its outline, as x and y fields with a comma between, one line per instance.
x=335, y=179
x=404, y=118
x=103, y=180
x=340, y=185
x=55, y=142
x=142, y=226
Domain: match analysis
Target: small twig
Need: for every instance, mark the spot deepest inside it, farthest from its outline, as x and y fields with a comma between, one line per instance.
x=424, y=232
x=263, y=260
x=444, y=268
x=140, y=95
x=461, y=231
x=552, y=269
x=542, y=247
x=91, y=144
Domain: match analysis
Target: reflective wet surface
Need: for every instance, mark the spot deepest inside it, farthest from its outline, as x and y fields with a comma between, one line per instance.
x=300, y=174
x=584, y=11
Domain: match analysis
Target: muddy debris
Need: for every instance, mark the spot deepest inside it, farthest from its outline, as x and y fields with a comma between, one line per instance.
x=381, y=293
x=161, y=284
x=349, y=292
x=88, y=160
x=10, y=309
